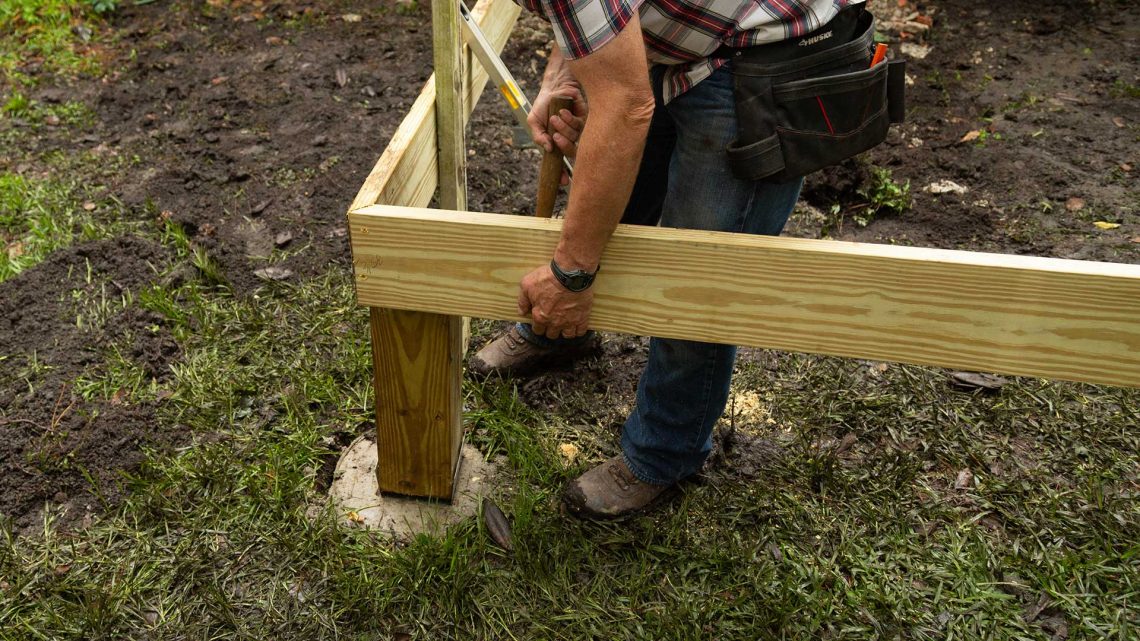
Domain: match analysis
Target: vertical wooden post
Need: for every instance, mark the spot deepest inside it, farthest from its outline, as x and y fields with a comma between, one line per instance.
x=447, y=48
x=417, y=357
x=419, y=428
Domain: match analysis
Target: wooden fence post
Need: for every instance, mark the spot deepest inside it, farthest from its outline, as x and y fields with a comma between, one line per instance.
x=417, y=357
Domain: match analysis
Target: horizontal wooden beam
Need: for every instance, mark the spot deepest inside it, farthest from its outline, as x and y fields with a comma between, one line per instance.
x=1064, y=319
x=407, y=172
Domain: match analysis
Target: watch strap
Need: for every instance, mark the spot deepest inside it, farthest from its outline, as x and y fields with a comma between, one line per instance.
x=577, y=280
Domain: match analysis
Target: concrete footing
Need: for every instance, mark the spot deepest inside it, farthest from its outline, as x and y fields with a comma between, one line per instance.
x=357, y=499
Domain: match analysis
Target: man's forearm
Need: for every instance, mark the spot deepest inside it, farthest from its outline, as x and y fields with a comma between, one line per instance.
x=556, y=70
x=609, y=154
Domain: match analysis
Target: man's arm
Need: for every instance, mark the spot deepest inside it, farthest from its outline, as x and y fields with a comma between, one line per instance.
x=616, y=81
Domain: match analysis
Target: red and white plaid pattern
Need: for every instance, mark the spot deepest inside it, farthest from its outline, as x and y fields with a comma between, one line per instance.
x=682, y=33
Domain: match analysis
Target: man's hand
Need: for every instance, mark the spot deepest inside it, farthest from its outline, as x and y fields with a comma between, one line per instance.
x=555, y=311
x=561, y=130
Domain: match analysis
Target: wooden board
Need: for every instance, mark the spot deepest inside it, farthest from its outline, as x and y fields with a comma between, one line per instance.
x=407, y=172
x=416, y=357
x=1063, y=319
x=450, y=116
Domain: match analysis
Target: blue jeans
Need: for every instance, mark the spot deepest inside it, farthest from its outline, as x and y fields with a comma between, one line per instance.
x=684, y=181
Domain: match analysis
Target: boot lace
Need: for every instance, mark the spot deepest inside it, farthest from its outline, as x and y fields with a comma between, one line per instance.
x=622, y=476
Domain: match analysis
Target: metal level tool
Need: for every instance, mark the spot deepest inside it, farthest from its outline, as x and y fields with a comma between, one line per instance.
x=498, y=72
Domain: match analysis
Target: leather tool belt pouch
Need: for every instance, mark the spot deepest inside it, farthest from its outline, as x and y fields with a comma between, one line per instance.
x=808, y=103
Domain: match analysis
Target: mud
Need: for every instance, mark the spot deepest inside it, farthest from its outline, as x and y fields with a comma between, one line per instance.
x=59, y=448
x=1049, y=90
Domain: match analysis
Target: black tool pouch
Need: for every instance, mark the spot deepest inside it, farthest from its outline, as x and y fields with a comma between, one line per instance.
x=798, y=115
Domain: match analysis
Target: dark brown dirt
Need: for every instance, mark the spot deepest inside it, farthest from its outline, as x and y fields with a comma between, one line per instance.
x=1050, y=90
x=263, y=118
x=57, y=447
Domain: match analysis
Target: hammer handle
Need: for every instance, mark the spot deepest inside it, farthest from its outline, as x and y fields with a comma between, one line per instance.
x=550, y=175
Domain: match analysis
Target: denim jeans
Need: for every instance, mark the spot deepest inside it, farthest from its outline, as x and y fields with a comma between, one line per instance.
x=684, y=181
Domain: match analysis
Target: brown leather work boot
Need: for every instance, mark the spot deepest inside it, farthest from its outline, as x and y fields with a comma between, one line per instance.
x=611, y=491
x=513, y=355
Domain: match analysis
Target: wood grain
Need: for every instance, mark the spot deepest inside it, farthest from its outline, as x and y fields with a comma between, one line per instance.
x=418, y=407
x=447, y=51
x=1063, y=319
x=407, y=171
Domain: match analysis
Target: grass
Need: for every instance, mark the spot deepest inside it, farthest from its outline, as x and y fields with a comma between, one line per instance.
x=53, y=34
x=879, y=194
x=39, y=216
x=67, y=114
x=228, y=538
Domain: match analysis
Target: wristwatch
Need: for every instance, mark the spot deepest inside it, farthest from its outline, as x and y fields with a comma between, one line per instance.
x=577, y=280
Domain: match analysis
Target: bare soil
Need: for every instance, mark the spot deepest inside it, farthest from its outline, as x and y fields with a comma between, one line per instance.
x=254, y=126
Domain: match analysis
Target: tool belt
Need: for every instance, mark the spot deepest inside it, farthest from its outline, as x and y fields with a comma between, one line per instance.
x=810, y=102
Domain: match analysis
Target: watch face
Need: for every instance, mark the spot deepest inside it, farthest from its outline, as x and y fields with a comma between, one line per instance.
x=578, y=282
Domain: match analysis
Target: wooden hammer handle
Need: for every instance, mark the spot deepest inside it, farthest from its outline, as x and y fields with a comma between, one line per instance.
x=550, y=175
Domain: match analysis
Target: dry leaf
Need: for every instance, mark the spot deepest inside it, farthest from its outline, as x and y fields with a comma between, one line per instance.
x=497, y=525
x=965, y=479
x=341, y=77
x=945, y=187
x=283, y=238
x=977, y=380
x=273, y=273
x=1075, y=204
x=569, y=451
x=351, y=17
x=1118, y=121
x=971, y=135
x=219, y=80
x=1100, y=224
x=1125, y=167
x=1136, y=239
x=847, y=442
x=354, y=517
x=273, y=41
x=88, y=206
x=15, y=250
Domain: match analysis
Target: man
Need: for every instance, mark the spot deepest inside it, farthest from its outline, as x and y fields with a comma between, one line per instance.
x=659, y=80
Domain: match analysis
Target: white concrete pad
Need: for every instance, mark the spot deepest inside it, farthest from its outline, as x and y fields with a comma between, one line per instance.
x=357, y=499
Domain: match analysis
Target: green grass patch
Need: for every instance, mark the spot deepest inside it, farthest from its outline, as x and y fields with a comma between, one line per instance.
x=67, y=114
x=53, y=33
x=39, y=216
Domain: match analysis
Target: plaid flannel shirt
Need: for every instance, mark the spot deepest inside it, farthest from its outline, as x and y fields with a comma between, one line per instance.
x=682, y=34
